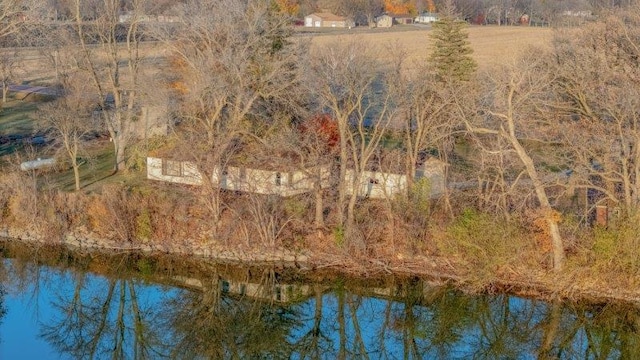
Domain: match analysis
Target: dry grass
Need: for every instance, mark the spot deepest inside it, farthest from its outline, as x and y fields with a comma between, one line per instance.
x=491, y=44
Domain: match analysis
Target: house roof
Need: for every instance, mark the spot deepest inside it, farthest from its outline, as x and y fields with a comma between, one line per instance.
x=409, y=16
x=328, y=16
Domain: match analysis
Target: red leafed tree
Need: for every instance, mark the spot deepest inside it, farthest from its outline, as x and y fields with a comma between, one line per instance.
x=323, y=128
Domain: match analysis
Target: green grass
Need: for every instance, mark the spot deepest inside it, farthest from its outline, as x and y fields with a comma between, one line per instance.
x=96, y=170
x=16, y=121
x=96, y=165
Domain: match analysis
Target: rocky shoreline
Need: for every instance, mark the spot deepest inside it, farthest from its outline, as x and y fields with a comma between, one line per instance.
x=544, y=285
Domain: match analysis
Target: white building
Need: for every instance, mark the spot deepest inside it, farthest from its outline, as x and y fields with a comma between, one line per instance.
x=426, y=18
x=327, y=20
x=237, y=178
x=181, y=172
x=380, y=185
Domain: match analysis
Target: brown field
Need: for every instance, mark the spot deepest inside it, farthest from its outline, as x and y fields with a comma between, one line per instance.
x=491, y=44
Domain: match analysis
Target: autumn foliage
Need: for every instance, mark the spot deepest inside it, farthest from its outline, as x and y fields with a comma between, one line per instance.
x=399, y=7
x=324, y=128
x=289, y=7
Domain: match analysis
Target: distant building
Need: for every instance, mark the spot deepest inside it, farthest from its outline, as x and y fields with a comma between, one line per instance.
x=388, y=20
x=384, y=21
x=129, y=16
x=577, y=13
x=403, y=19
x=426, y=18
x=325, y=19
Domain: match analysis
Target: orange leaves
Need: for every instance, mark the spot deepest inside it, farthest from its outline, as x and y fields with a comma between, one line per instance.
x=431, y=7
x=399, y=7
x=542, y=234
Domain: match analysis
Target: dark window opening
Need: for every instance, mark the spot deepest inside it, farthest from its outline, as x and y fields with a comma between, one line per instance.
x=172, y=168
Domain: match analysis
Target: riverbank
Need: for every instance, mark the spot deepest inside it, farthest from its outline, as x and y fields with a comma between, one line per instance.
x=574, y=284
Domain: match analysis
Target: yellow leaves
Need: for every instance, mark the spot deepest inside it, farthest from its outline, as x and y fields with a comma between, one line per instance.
x=289, y=7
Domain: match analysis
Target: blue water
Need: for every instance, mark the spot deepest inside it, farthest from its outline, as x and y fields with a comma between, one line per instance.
x=66, y=313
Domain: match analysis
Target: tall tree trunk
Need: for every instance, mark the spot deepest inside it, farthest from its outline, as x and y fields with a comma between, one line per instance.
x=342, y=182
x=76, y=173
x=120, y=158
x=351, y=209
x=319, y=215
x=543, y=199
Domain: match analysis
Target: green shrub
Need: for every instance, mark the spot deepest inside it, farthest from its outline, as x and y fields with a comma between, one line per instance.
x=338, y=235
x=295, y=207
x=617, y=249
x=488, y=244
x=144, y=229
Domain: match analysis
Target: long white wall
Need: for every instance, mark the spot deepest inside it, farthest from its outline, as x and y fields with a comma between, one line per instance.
x=187, y=173
x=240, y=179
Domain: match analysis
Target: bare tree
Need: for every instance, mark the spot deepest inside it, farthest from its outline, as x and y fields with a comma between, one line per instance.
x=510, y=113
x=8, y=63
x=234, y=62
x=68, y=119
x=350, y=83
x=12, y=17
x=118, y=87
x=598, y=91
x=428, y=120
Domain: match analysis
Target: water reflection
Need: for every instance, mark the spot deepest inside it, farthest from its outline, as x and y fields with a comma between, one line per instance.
x=130, y=307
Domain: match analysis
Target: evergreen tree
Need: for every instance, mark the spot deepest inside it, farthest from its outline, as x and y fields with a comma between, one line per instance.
x=451, y=54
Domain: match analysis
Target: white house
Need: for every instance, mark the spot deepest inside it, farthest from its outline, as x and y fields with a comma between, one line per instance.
x=238, y=178
x=380, y=185
x=182, y=172
x=426, y=18
x=261, y=181
x=375, y=185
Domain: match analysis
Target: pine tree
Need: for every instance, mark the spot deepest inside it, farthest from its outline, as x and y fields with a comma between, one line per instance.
x=451, y=55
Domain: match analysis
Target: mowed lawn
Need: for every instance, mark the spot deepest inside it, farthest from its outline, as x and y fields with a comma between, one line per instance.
x=492, y=45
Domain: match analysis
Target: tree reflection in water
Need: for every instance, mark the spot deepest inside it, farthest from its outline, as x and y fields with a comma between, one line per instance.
x=214, y=324
x=249, y=317
x=105, y=319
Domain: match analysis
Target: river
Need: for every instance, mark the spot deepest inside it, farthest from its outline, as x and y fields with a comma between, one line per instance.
x=59, y=304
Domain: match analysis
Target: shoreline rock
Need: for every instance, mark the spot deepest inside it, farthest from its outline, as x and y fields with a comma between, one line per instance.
x=435, y=270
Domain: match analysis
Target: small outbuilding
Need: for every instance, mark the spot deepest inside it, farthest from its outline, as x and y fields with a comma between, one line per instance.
x=325, y=19
x=384, y=21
